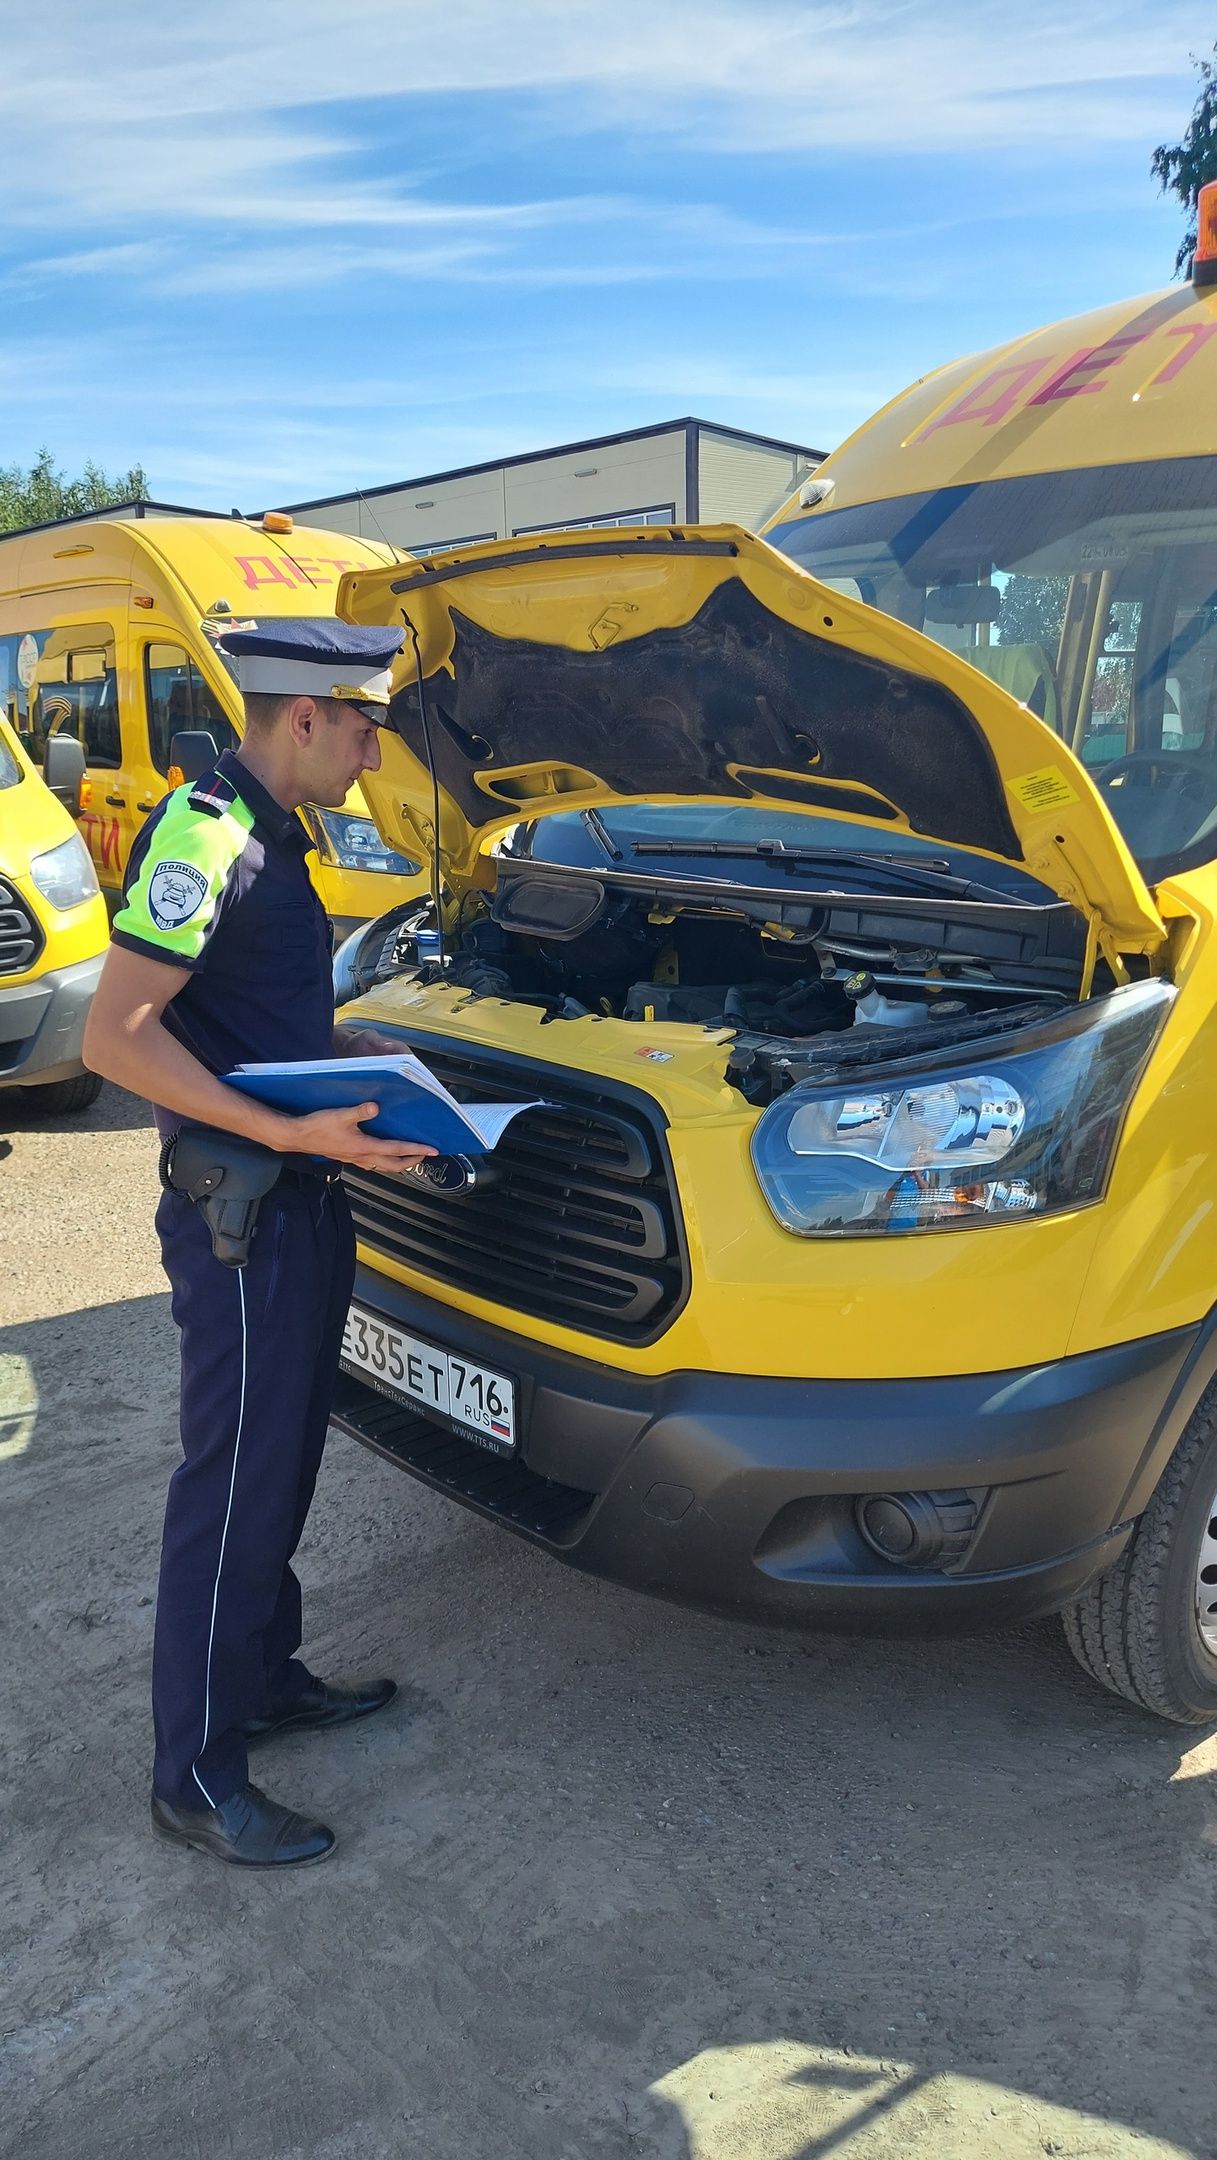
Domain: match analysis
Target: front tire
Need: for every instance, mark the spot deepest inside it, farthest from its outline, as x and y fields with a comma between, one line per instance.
x=59, y=1098
x=1147, y=1629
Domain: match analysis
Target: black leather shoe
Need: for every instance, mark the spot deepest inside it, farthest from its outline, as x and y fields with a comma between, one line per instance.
x=248, y=1831
x=322, y=1705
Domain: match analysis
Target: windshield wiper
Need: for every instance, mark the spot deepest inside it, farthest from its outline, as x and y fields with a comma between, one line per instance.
x=930, y=874
x=593, y=823
x=777, y=851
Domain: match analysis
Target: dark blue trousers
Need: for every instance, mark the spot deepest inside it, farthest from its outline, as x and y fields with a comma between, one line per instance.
x=259, y=1351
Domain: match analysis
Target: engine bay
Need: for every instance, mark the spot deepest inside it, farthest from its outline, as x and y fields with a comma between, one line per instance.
x=801, y=982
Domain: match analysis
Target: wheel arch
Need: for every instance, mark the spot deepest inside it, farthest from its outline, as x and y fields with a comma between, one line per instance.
x=1198, y=1371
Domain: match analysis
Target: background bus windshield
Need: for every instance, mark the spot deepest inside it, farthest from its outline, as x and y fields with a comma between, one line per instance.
x=1090, y=596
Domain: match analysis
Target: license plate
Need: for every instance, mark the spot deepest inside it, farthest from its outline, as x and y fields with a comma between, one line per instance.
x=480, y=1402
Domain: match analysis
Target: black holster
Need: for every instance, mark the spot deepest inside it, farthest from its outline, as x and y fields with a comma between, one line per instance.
x=227, y=1178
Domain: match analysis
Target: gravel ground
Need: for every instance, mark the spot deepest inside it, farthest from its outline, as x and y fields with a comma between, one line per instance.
x=613, y=1879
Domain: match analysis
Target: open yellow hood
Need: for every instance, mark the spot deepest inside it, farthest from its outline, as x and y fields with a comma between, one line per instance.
x=695, y=663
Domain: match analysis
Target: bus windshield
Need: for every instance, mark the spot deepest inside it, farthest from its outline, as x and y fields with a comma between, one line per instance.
x=1091, y=596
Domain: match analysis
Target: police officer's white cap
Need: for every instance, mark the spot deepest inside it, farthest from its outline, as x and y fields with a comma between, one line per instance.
x=315, y=656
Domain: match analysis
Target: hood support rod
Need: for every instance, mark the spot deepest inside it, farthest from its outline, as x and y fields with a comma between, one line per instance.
x=433, y=769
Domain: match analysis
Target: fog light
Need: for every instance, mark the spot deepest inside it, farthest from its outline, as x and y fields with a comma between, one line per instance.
x=918, y=1530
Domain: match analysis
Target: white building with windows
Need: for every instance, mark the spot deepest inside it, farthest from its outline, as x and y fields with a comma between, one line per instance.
x=686, y=471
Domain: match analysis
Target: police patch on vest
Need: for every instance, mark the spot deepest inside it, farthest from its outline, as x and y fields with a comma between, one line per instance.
x=176, y=891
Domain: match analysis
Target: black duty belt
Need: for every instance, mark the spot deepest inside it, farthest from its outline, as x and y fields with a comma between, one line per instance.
x=296, y=1173
x=227, y=1178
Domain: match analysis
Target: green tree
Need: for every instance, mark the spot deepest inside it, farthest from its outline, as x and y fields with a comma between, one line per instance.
x=1183, y=168
x=42, y=493
x=1032, y=611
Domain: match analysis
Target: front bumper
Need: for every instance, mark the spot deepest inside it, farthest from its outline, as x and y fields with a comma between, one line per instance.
x=42, y=1024
x=738, y=1494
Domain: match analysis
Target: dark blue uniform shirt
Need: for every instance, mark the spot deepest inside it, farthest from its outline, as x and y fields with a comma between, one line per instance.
x=218, y=883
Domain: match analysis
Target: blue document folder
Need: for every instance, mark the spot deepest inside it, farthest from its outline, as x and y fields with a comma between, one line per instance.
x=413, y=1104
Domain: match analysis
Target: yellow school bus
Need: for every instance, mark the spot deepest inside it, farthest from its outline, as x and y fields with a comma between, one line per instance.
x=1044, y=511
x=856, y=1265
x=107, y=630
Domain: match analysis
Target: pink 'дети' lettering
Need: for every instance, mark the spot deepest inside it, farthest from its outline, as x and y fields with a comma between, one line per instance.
x=1083, y=373
x=272, y=573
x=1197, y=336
x=985, y=403
x=271, y=570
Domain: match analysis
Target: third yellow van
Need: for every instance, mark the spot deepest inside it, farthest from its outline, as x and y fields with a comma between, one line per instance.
x=107, y=631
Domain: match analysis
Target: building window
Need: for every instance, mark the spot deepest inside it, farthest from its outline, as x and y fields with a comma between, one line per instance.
x=655, y=514
x=178, y=698
x=440, y=547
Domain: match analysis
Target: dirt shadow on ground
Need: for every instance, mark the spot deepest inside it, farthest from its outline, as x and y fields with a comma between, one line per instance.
x=614, y=1879
x=888, y=1898
x=113, y=1111
x=77, y=1384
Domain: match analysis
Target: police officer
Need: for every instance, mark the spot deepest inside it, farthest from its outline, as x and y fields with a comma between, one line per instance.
x=221, y=955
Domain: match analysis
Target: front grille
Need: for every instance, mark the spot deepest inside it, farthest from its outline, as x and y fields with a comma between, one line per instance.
x=580, y=1228
x=20, y=936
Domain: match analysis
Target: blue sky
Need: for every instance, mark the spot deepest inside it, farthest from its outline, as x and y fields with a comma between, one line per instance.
x=273, y=251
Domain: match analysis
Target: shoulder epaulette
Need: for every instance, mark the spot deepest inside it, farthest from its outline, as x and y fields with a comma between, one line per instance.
x=213, y=794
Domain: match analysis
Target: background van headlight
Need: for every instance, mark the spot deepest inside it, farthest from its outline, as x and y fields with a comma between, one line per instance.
x=1025, y=1125
x=354, y=843
x=343, y=969
x=65, y=875
x=377, y=951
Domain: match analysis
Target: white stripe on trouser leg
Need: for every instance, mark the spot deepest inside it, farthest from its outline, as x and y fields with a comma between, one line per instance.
x=215, y=1595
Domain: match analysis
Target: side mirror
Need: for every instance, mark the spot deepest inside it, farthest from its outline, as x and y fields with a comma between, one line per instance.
x=191, y=754
x=63, y=769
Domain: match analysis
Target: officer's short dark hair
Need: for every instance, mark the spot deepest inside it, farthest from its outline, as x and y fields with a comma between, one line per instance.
x=263, y=708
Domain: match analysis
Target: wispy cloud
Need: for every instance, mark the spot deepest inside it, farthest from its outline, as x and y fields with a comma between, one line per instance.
x=829, y=61
x=618, y=240
x=126, y=258
x=310, y=242
x=198, y=116
x=246, y=134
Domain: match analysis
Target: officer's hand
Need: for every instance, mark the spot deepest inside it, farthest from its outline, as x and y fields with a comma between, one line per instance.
x=368, y=1042
x=336, y=1134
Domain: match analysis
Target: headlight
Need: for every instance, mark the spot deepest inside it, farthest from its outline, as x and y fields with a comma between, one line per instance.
x=65, y=875
x=345, y=985
x=1025, y=1127
x=378, y=950
x=354, y=844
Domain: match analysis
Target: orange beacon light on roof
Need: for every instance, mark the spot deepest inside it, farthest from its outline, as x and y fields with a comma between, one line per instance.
x=1204, y=261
